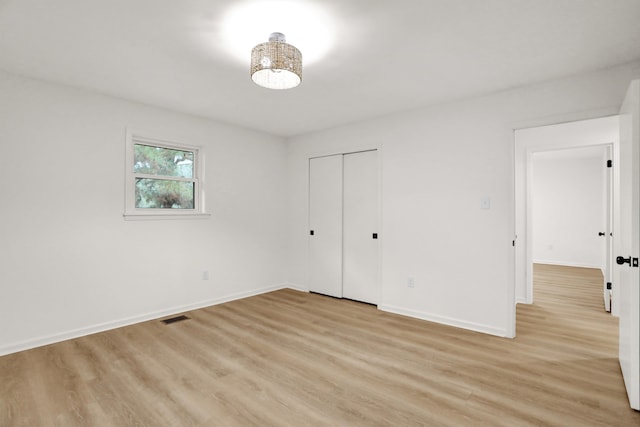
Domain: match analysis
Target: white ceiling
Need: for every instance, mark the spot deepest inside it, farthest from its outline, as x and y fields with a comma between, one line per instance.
x=388, y=55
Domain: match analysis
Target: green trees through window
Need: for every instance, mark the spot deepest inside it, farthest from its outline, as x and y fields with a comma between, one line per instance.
x=164, y=177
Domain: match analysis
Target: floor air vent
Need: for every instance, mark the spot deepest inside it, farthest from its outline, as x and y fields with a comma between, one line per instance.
x=174, y=319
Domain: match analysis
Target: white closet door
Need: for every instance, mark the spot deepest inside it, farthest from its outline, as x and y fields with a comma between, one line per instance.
x=360, y=243
x=325, y=225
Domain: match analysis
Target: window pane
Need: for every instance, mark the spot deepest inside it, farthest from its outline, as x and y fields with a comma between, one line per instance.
x=162, y=161
x=164, y=194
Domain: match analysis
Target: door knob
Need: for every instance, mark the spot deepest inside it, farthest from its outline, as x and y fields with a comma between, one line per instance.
x=601, y=234
x=622, y=260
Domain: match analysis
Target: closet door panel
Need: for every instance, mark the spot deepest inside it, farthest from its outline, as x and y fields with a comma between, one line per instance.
x=360, y=219
x=325, y=225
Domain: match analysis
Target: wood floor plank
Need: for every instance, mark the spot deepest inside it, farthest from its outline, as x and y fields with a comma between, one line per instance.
x=289, y=358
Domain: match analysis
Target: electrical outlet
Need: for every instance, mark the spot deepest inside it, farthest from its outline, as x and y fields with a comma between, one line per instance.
x=411, y=282
x=485, y=203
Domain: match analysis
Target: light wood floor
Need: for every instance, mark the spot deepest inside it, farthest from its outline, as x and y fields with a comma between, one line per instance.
x=293, y=359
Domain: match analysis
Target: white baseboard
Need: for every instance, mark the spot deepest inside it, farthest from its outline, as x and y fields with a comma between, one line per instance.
x=296, y=287
x=476, y=327
x=80, y=332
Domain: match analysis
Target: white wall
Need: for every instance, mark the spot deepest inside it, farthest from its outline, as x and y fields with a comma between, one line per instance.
x=70, y=264
x=568, y=188
x=437, y=165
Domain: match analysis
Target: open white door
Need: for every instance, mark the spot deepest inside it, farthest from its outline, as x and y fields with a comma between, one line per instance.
x=627, y=243
x=608, y=228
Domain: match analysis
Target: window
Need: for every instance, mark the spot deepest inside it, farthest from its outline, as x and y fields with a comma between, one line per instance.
x=164, y=179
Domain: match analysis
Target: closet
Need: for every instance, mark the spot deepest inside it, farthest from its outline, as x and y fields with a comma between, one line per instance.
x=343, y=226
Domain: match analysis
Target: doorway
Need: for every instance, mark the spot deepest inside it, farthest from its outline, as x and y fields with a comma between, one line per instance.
x=549, y=144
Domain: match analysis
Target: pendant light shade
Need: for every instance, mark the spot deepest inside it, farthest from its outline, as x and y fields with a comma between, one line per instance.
x=276, y=64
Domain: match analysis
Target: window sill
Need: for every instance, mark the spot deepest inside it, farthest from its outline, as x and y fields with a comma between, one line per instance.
x=163, y=216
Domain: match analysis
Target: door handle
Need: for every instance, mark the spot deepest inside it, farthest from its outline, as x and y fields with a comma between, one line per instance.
x=622, y=260
x=601, y=234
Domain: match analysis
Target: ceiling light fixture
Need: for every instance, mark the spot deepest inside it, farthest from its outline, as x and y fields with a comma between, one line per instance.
x=276, y=64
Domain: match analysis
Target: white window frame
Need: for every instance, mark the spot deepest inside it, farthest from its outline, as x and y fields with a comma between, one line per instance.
x=133, y=213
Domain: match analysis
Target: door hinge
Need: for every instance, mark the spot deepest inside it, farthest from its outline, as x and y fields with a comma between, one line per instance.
x=609, y=286
x=609, y=163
